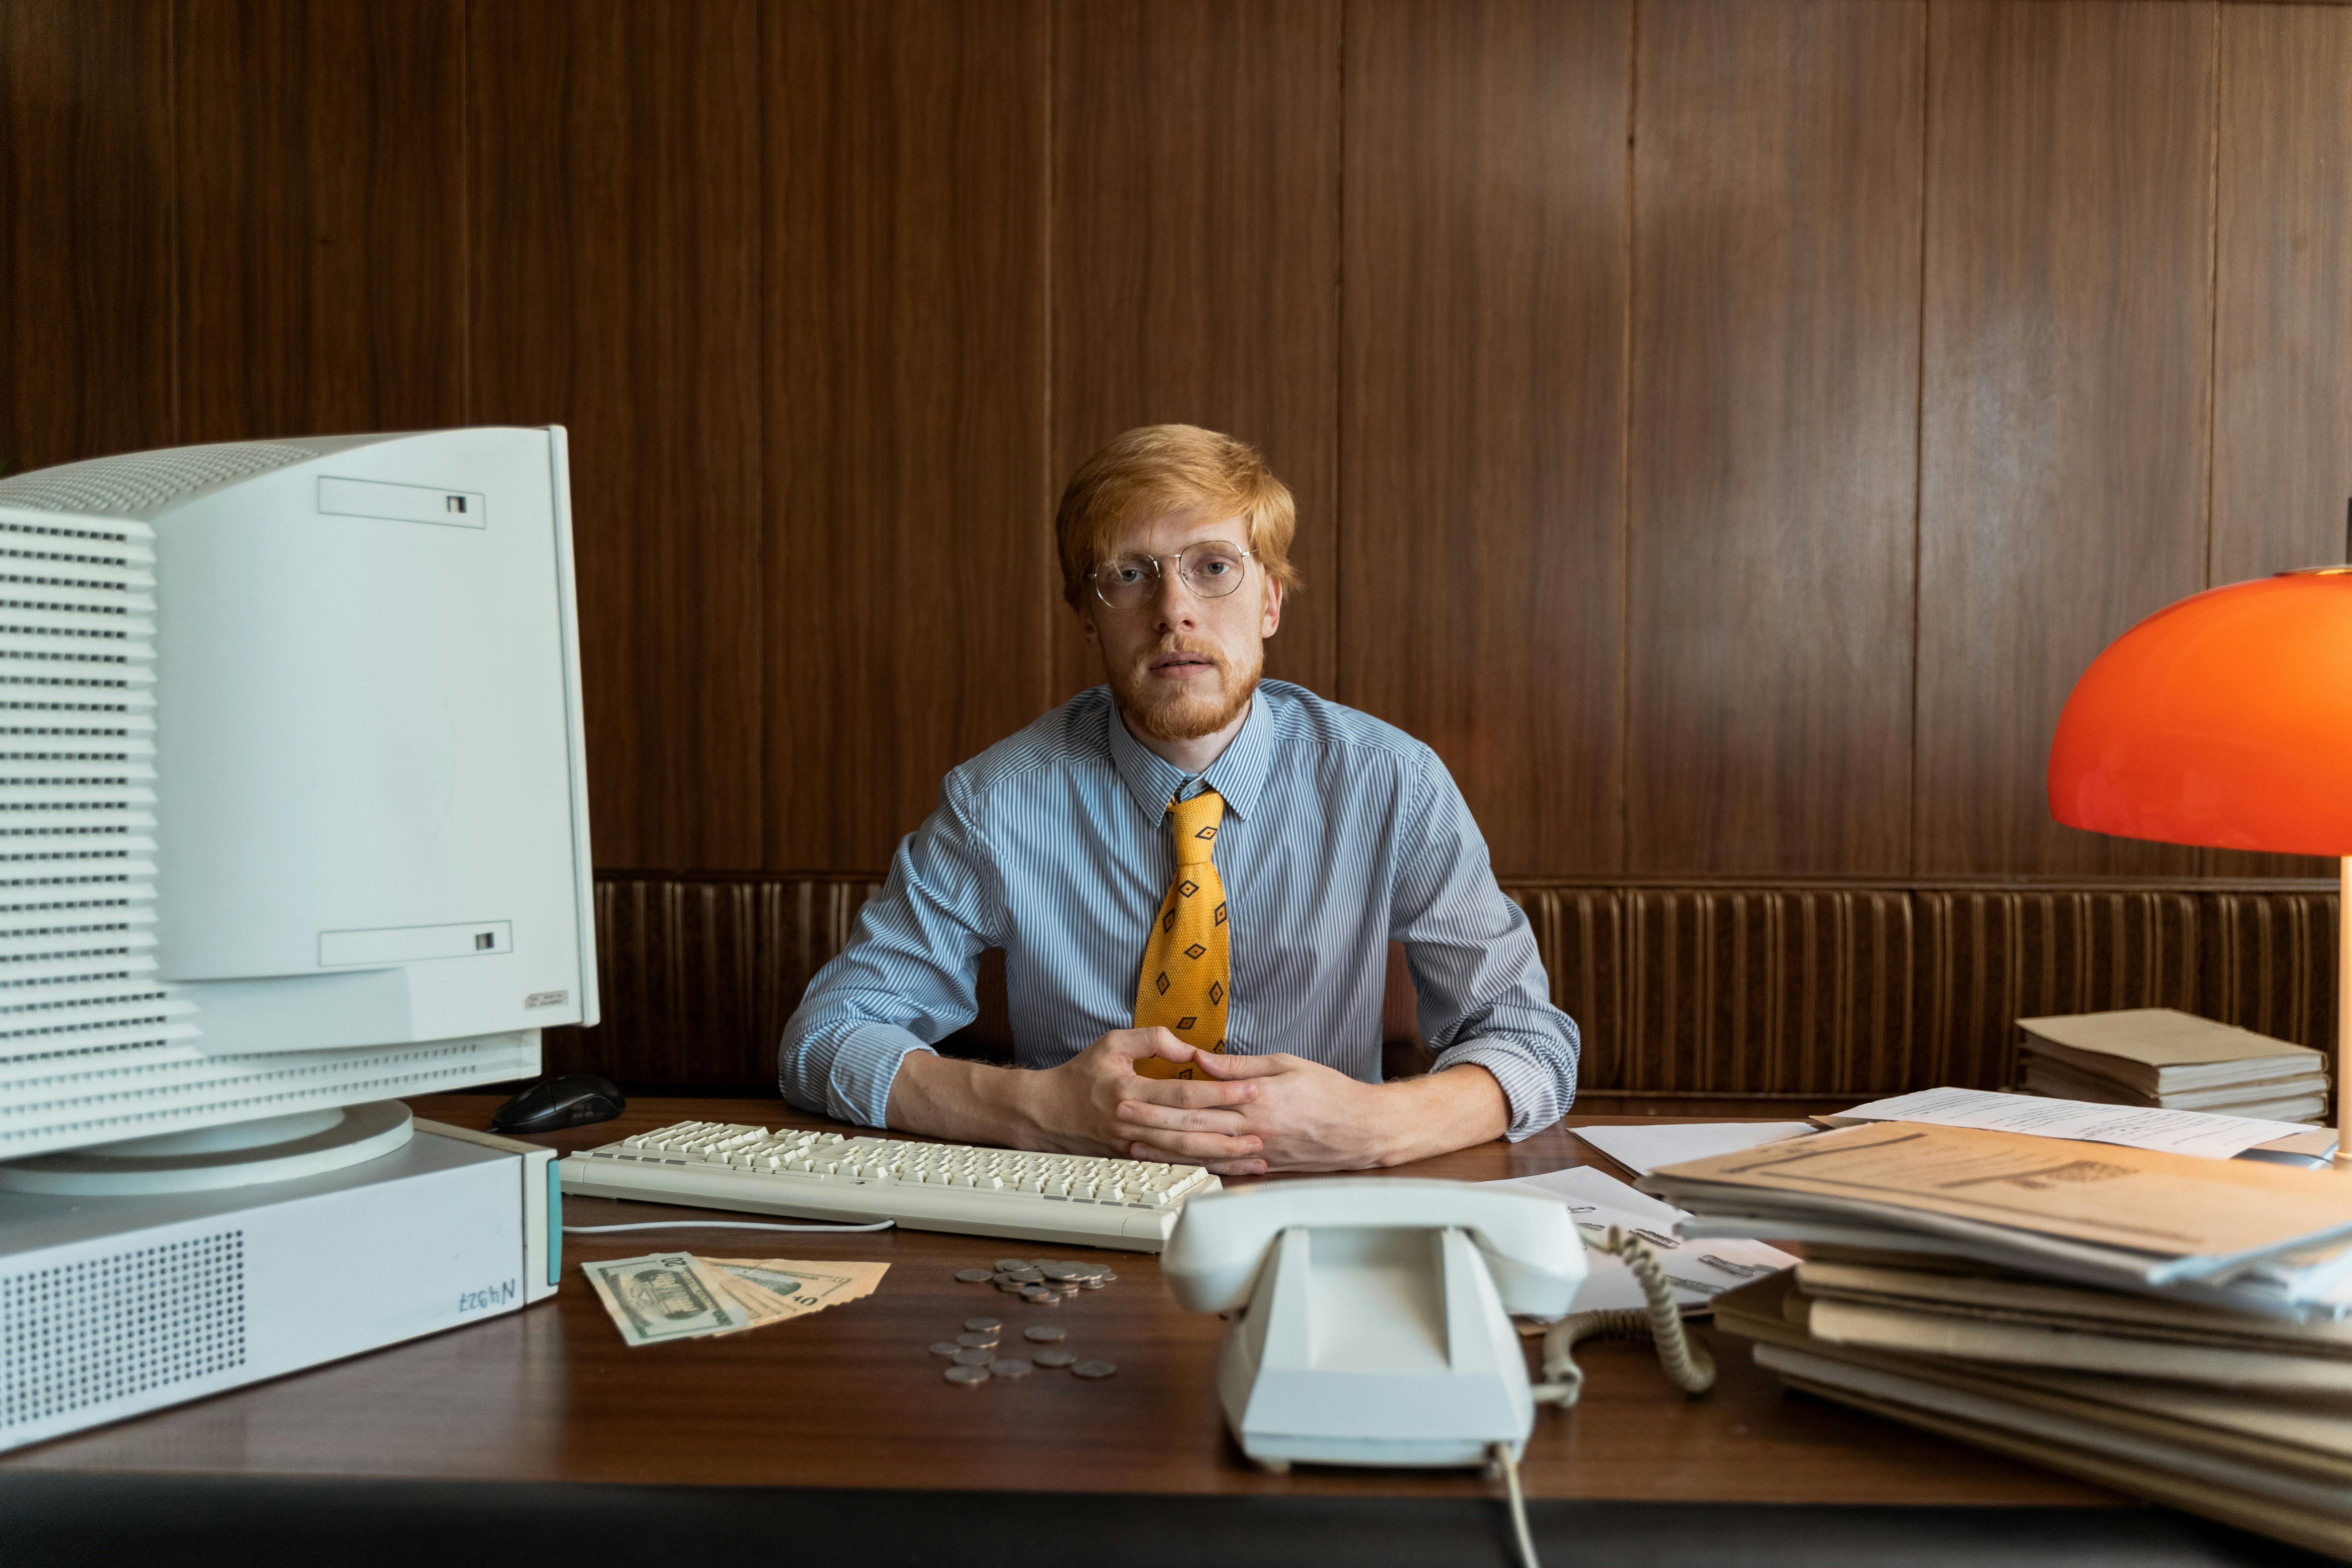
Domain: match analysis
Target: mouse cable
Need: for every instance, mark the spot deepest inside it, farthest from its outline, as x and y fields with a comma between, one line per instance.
x=722, y=1224
x=1684, y=1360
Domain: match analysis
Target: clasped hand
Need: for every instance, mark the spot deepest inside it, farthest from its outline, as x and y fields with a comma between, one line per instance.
x=1243, y=1115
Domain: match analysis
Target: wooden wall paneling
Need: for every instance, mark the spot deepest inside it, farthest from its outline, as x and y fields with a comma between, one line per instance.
x=86, y=183
x=1775, y=332
x=2064, y=429
x=1482, y=387
x=613, y=185
x=908, y=573
x=1196, y=261
x=323, y=231
x=1795, y=991
x=2269, y=964
x=2281, y=313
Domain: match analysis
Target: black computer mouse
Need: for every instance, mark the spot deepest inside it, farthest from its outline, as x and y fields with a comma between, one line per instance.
x=575, y=1100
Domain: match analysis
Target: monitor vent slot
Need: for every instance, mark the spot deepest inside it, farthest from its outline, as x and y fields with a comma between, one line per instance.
x=80, y=1334
x=69, y=1088
x=142, y=481
x=78, y=800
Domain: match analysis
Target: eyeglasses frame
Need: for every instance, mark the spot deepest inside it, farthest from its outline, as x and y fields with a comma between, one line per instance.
x=1093, y=575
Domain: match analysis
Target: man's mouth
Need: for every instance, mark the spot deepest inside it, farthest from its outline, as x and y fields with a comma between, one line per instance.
x=1174, y=663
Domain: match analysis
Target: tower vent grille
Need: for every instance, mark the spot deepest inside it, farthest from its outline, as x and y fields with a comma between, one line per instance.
x=78, y=1335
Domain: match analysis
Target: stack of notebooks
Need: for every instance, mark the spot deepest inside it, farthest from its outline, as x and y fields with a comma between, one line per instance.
x=2173, y=1327
x=2154, y=1056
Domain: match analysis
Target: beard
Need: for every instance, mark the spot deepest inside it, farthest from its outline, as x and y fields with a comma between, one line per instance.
x=1167, y=711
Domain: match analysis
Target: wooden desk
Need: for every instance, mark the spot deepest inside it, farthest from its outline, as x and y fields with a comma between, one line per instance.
x=849, y=1402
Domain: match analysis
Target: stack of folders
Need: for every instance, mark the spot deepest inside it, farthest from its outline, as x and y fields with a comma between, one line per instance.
x=2154, y=1056
x=2168, y=1326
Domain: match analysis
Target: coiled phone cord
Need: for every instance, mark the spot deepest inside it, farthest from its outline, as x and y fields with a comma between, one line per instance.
x=1687, y=1365
x=1660, y=1322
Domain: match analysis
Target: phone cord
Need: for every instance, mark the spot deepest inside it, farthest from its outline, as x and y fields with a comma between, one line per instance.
x=1685, y=1361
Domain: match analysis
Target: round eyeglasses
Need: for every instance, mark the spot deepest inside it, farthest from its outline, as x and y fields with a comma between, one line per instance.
x=1211, y=569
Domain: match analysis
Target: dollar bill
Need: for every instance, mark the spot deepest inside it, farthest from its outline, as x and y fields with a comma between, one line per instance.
x=803, y=1287
x=665, y=1296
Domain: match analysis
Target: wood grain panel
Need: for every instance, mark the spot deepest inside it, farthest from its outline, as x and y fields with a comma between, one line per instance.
x=613, y=189
x=2281, y=315
x=908, y=569
x=86, y=183
x=321, y=216
x=2064, y=433
x=1196, y=261
x=1776, y=236
x=1482, y=387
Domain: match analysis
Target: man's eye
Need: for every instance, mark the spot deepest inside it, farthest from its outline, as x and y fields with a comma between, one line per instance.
x=1215, y=567
x=1126, y=572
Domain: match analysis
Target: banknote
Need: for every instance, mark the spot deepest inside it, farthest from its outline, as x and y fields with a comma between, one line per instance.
x=805, y=1287
x=664, y=1296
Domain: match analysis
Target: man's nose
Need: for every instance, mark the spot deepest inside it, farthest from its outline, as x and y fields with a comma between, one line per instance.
x=1174, y=602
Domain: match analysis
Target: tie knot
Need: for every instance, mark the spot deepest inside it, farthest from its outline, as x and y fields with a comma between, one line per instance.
x=1195, y=825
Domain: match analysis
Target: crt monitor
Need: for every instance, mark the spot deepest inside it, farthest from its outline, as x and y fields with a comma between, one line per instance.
x=293, y=814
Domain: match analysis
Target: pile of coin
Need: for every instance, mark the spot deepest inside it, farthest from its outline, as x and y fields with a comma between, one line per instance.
x=1043, y=1282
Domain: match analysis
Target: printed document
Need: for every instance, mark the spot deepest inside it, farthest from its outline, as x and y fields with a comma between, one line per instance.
x=2196, y=1132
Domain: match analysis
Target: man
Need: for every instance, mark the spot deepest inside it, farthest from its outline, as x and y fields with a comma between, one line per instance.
x=1194, y=878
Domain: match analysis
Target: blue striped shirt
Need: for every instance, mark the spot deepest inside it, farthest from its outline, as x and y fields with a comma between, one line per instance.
x=1340, y=835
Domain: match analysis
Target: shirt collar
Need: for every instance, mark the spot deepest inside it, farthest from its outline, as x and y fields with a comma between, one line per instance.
x=1238, y=774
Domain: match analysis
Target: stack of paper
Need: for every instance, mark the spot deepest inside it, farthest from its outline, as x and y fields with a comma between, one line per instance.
x=2154, y=1056
x=1699, y=1271
x=2166, y=1324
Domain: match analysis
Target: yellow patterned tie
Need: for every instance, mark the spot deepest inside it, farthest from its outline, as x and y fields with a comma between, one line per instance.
x=1187, y=967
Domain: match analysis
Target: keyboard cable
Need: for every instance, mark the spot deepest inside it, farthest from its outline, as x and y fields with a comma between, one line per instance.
x=722, y=1224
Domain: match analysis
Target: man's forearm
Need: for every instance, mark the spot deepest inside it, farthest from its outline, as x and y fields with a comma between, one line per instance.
x=1440, y=1112
x=960, y=1102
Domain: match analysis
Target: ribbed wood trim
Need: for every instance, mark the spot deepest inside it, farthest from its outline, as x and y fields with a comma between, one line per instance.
x=1713, y=991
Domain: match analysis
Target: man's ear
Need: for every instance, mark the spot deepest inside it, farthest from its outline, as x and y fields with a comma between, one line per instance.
x=1271, y=618
x=1086, y=625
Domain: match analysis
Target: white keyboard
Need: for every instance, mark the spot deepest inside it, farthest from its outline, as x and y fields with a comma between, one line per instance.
x=1129, y=1204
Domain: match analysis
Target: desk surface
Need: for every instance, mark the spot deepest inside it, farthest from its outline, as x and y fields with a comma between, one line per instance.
x=851, y=1398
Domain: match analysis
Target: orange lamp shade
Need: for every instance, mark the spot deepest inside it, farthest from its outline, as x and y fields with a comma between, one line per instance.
x=2224, y=719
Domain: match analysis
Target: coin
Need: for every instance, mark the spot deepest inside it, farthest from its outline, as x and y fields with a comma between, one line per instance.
x=971, y=1276
x=1038, y=1293
x=981, y=1325
x=1009, y=1369
x=1005, y=1276
x=1092, y=1282
x=1057, y=1272
x=1094, y=1369
x=1028, y=1276
x=967, y=1375
x=1011, y=1287
x=973, y=1355
x=945, y=1347
x=1004, y=1263
x=1045, y=1333
x=1039, y=1262
x=1107, y=1277
x=976, y=1341
x=1054, y=1357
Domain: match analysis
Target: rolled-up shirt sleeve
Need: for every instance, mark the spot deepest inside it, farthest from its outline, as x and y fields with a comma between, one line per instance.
x=1484, y=997
x=908, y=977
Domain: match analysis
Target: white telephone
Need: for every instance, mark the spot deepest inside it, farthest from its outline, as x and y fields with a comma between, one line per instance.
x=1374, y=1325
